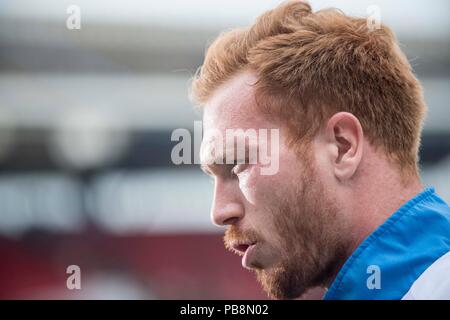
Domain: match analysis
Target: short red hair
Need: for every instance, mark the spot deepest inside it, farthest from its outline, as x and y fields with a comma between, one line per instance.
x=312, y=65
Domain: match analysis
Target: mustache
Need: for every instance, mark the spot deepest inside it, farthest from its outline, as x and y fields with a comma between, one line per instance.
x=233, y=234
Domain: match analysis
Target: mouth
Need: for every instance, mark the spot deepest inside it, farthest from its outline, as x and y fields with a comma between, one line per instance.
x=246, y=250
x=240, y=247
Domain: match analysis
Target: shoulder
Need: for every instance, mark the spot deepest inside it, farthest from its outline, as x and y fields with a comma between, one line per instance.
x=433, y=283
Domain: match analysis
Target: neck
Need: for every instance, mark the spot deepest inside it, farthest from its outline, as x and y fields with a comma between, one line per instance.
x=375, y=203
x=371, y=205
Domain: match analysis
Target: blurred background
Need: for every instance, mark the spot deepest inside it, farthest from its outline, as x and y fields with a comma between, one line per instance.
x=86, y=117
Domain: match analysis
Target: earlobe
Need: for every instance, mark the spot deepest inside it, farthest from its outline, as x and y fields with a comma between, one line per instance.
x=345, y=132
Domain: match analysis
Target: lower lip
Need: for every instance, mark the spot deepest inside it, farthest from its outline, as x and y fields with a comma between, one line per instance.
x=246, y=259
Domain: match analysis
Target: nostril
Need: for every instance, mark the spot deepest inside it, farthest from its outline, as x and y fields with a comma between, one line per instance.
x=231, y=220
x=227, y=214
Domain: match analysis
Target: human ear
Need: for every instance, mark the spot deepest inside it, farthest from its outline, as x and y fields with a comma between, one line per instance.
x=345, y=134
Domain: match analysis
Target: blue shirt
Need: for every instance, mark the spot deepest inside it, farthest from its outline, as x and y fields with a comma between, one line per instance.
x=389, y=261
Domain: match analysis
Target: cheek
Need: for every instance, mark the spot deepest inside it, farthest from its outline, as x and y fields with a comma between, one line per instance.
x=255, y=187
x=247, y=184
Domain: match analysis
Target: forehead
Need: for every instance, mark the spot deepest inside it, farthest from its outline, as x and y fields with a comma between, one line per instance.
x=233, y=106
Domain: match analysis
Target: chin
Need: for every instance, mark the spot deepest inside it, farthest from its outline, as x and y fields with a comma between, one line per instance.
x=280, y=285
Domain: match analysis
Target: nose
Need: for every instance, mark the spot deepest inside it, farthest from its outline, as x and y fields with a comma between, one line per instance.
x=227, y=208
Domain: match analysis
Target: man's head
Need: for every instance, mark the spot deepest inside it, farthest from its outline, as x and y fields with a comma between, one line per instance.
x=346, y=105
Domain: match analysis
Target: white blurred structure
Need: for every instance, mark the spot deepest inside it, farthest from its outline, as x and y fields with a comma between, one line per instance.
x=128, y=68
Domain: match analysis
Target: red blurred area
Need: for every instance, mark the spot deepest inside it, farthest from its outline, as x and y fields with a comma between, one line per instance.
x=192, y=266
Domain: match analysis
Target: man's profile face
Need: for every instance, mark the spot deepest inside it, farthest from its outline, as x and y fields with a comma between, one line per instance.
x=286, y=225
